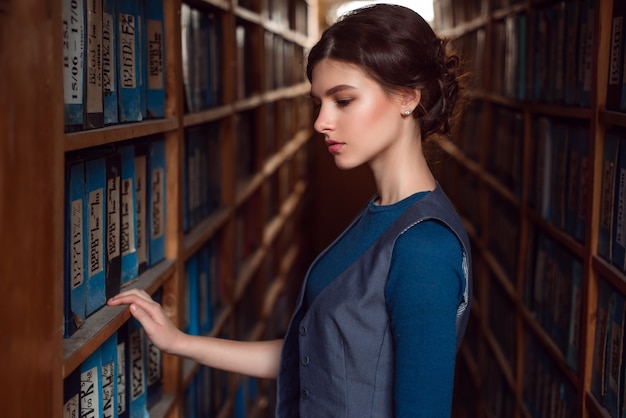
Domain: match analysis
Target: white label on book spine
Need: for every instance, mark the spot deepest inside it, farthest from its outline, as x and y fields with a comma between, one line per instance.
x=113, y=211
x=158, y=191
x=73, y=46
x=154, y=363
x=108, y=389
x=121, y=378
x=616, y=50
x=94, y=57
x=108, y=49
x=140, y=201
x=128, y=217
x=89, y=400
x=70, y=409
x=155, y=54
x=127, y=51
x=137, y=385
x=77, y=254
x=95, y=232
x=620, y=231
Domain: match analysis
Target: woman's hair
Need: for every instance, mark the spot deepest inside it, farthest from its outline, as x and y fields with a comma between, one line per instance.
x=396, y=47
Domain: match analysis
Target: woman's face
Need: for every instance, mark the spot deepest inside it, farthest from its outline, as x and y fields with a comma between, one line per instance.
x=359, y=121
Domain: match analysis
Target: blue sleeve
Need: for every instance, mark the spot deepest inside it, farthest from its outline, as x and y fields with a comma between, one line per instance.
x=424, y=288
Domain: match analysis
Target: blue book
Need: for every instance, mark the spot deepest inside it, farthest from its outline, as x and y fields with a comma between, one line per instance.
x=71, y=395
x=204, y=289
x=156, y=201
x=154, y=364
x=607, y=193
x=109, y=364
x=95, y=224
x=94, y=107
x=155, y=58
x=192, y=296
x=91, y=386
x=141, y=205
x=73, y=64
x=572, y=51
x=109, y=61
x=582, y=135
x=141, y=58
x=123, y=372
x=113, y=269
x=129, y=68
x=587, y=54
x=616, y=57
x=75, y=248
x=137, y=370
x=190, y=399
x=128, y=213
x=614, y=347
x=618, y=256
x=576, y=295
x=598, y=388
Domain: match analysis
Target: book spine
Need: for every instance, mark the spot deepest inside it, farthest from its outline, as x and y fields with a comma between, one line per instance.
x=113, y=269
x=91, y=386
x=129, y=76
x=154, y=364
x=155, y=48
x=137, y=365
x=618, y=257
x=71, y=395
x=95, y=224
x=94, y=108
x=192, y=296
x=76, y=249
x=141, y=200
x=616, y=47
x=73, y=63
x=156, y=201
x=109, y=365
x=109, y=61
x=614, y=347
x=128, y=224
x=609, y=169
x=123, y=373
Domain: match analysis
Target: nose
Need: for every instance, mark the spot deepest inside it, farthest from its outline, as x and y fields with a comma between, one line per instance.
x=323, y=122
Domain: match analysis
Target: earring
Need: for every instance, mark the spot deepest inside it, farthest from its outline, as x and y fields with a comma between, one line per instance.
x=406, y=112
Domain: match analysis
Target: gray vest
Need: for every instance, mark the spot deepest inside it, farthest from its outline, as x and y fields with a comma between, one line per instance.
x=338, y=358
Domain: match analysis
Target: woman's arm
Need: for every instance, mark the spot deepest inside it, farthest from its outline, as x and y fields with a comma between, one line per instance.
x=254, y=358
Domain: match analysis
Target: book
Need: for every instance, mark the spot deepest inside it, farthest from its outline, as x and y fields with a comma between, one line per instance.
x=73, y=64
x=573, y=341
x=123, y=372
x=113, y=268
x=156, y=201
x=128, y=214
x=618, y=255
x=141, y=205
x=95, y=224
x=616, y=57
x=586, y=56
x=192, y=296
x=109, y=61
x=71, y=395
x=137, y=370
x=607, y=193
x=94, y=108
x=75, y=248
x=154, y=366
x=91, y=386
x=614, y=347
x=129, y=76
x=598, y=388
x=155, y=60
x=108, y=369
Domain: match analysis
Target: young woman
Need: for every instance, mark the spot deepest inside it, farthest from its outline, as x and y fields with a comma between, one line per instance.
x=382, y=311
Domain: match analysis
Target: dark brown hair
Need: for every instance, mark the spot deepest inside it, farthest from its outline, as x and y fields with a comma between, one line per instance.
x=396, y=47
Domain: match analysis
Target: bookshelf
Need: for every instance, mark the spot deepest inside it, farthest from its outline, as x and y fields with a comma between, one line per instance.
x=528, y=172
x=233, y=142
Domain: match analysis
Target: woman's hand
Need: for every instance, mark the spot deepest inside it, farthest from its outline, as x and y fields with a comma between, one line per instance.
x=158, y=327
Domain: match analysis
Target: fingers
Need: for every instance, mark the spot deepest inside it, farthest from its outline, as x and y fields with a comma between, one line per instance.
x=129, y=296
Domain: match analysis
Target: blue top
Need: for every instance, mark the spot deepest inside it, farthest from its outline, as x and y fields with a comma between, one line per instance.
x=424, y=289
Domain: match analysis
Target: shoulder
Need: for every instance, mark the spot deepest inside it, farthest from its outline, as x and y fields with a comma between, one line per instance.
x=429, y=238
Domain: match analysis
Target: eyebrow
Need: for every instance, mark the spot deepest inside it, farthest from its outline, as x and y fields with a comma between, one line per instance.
x=335, y=89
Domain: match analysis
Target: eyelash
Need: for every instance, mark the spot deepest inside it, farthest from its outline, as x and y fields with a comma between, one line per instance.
x=338, y=102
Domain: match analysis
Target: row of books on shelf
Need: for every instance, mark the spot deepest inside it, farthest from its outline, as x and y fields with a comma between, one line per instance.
x=113, y=62
x=607, y=378
x=546, y=55
x=121, y=378
x=115, y=222
x=505, y=151
x=203, y=173
x=503, y=234
x=616, y=77
x=612, y=220
x=553, y=293
x=547, y=392
x=559, y=184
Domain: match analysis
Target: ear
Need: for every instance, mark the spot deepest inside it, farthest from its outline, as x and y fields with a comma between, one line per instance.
x=409, y=99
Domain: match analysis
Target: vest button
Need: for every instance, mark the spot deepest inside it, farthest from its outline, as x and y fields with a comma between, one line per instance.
x=305, y=360
x=303, y=330
x=305, y=394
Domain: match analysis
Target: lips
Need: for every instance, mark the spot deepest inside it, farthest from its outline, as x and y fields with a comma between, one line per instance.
x=333, y=146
